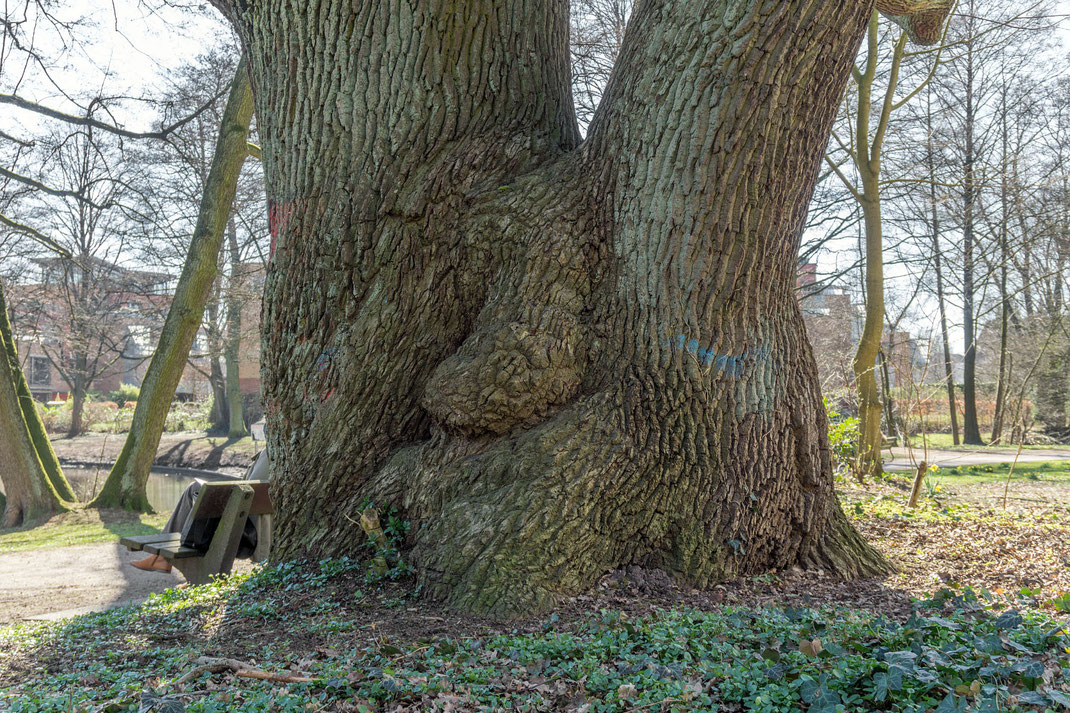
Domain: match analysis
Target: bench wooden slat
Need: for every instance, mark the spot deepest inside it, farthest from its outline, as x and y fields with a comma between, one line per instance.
x=173, y=551
x=137, y=543
x=213, y=499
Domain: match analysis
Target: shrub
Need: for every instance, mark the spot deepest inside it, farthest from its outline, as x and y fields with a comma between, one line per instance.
x=188, y=416
x=843, y=439
x=57, y=419
x=126, y=392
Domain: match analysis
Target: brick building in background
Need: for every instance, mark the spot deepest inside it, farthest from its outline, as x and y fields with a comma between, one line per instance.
x=834, y=326
x=114, y=327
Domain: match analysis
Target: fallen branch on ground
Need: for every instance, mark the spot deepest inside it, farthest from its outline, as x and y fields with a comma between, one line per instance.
x=206, y=664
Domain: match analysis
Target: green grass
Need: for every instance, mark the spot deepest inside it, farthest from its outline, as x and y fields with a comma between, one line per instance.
x=1046, y=471
x=81, y=527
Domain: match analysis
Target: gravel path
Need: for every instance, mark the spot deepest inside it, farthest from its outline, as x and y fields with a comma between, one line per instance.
x=949, y=458
x=64, y=581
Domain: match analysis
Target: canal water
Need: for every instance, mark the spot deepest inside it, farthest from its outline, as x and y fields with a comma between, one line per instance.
x=164, y=488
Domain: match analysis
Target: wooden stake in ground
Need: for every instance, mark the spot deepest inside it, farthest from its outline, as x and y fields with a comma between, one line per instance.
x=1010, y=472
x=919, y=478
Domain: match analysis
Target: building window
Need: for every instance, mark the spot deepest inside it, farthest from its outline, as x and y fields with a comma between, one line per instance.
x=40, y=371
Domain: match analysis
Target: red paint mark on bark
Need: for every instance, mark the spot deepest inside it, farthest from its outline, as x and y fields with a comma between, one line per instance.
x=279, y=215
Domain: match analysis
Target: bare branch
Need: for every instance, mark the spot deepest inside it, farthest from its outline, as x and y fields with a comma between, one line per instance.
x=89, y=121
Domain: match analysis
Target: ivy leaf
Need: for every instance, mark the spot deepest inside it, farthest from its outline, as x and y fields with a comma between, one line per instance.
x=880, y=687
x=1060, y=698
x=1009, y=620
x=1031, y=698
x=1029, y=669
x=951, y=704
x=771, y=654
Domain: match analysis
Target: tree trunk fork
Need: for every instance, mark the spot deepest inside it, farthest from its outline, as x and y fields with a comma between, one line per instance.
x=555, y=357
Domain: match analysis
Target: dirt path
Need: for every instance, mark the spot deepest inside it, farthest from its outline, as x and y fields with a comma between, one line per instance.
x=73, y=580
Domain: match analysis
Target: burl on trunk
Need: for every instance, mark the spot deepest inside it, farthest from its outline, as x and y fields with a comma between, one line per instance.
x=555, y=356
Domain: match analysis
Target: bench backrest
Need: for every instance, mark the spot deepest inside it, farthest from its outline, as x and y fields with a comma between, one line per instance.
x=214, y=495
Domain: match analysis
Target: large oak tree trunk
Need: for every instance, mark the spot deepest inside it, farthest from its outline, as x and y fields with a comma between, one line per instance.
x=555, y=357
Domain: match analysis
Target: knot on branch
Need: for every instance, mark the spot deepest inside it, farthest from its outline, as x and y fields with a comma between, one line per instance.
x=526, y=354
x=506, y=375
x=923, y=20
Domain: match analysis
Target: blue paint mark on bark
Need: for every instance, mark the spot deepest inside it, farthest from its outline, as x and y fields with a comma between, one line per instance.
x=324, y=359
x=731, y=365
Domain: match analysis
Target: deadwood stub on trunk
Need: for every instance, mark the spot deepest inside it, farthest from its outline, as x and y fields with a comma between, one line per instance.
x=556, y=358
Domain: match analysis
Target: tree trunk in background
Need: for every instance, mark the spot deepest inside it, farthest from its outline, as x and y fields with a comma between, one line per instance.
x=78, y=394
x=125, y=486
x=1004, y=259
x=945, y=334
x=971, y=429
x=867, y=156
x=35, y=426
x=869, y=345
x=886, y=395
x=235, y=421
x=554, y=361
x=29, y=492
x=219, y=414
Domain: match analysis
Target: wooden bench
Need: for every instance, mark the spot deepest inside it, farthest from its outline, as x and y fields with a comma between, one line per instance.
x=232, y=503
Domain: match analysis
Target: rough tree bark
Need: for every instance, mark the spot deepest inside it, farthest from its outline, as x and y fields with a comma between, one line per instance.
x=555, y=357
x=125, y=486
x=30, y=493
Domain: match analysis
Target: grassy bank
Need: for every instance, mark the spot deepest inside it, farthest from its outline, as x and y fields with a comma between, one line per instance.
x=80, y=527
x=945, y=441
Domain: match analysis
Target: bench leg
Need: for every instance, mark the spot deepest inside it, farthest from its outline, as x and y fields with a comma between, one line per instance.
x=219, y=559
x=193, y=569
x=263, y=539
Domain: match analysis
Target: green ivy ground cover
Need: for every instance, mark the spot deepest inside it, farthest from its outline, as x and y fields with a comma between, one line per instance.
x=959, y=652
